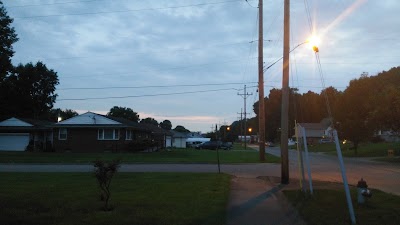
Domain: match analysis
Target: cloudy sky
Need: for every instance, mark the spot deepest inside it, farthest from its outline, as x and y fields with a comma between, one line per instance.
x=186, y=61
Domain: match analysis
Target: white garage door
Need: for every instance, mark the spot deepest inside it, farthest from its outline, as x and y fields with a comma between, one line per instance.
x=13, y=142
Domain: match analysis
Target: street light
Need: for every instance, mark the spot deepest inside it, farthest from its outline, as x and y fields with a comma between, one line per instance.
x=313, y=42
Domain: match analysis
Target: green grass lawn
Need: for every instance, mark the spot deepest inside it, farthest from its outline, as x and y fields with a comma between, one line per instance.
x=330, y=207
x=137, y=198
x=364, y=149
x=173, y=156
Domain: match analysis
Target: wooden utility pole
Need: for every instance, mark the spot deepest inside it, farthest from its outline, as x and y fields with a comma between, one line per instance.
x=285, y=96
x=261, y=107
x=245, y=95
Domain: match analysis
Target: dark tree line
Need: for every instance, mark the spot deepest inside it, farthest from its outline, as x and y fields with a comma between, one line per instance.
x=129, y=114
x=367, y=105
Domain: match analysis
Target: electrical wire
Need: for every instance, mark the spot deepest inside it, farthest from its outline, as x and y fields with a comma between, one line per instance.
x=146, y=95
x=251, y=4
x=321, y=74
x=152, y=86
x=128, y=10
x=54, y=3
x=158, y=51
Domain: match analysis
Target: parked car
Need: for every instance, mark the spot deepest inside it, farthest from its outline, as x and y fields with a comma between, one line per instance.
x=213, y=145
x=227, y=145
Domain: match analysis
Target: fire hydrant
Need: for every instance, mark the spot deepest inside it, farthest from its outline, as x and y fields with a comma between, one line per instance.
x=362, y=191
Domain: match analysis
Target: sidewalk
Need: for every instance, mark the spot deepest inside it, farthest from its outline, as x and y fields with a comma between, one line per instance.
x=255, y=201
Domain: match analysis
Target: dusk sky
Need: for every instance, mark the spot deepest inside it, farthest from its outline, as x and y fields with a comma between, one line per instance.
x=186, y=61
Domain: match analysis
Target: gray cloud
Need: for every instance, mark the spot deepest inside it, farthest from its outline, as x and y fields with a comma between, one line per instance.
x=196, y=45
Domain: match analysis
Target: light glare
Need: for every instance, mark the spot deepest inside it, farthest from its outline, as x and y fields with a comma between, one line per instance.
x=313, y=42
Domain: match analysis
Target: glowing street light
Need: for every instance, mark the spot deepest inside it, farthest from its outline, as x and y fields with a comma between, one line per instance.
x=314, y=42
x=250, y=129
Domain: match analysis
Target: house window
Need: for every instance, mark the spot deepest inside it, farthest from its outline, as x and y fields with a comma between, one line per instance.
x=62, y=134
x=108, y=134
x=128, y=135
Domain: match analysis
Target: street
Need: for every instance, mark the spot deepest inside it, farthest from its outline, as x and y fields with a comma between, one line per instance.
x=379, y=175
x=383, y=176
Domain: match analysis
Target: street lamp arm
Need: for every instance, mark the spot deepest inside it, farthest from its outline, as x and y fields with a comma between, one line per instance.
x=282, y=56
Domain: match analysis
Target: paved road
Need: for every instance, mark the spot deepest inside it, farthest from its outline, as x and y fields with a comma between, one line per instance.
x=378, y=175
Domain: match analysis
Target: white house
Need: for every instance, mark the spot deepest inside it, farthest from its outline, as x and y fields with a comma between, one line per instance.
x=17, y=134
x=178, y=139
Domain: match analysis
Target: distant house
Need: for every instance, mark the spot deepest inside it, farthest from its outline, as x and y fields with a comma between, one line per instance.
x=91, y=132
x=194, y=135
x=315, y=132
x=388, y=135
x=17, y=134
x=178, y=139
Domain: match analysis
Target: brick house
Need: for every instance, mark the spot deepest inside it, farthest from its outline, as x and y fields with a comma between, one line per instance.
x=91, y=132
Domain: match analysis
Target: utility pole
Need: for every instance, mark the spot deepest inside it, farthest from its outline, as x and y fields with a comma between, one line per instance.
x=245, y=95
x=241, y=121
x=261, y=107
x=216, y=136
x=285, y=95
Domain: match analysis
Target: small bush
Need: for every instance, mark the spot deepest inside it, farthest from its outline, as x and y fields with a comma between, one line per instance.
x=104, y=173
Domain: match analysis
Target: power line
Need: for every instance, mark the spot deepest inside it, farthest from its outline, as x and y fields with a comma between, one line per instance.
x=54, y=3
x=251, y=4
x=160, y=69
x=158, y=51
x=152, y=86
x=128, y=10
x=147, y=95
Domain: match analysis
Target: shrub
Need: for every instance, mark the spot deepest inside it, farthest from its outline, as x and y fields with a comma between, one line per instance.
x=104, y=173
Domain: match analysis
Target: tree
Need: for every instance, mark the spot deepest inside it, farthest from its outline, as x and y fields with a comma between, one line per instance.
x=166, y=125
x=64, y=114
x=181, y=129
x=386, y=100
x=354, y=117
x=7, y=38
x=333, y=96
x=149, y=120
x=123, y=112
x=30, y=91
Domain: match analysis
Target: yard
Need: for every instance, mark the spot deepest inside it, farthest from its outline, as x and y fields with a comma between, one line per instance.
x=366, y=149
x=328, y=206
x=138, y=198
x=173, y=156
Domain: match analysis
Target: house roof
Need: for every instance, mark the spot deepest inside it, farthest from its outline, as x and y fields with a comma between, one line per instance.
x=89, y=118
x=24, y=124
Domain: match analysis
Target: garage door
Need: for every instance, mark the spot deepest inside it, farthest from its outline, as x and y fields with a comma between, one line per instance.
x=13, y=142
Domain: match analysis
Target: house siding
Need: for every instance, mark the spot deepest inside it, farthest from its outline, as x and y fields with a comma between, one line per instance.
x=86, y=140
